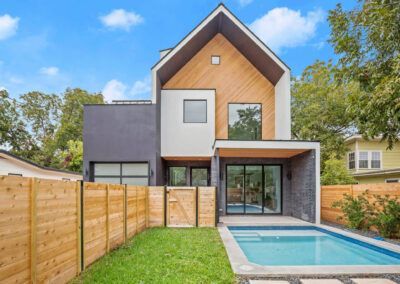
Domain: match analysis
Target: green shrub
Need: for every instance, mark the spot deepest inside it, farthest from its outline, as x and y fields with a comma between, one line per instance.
x=356, y=210
x=386, y=216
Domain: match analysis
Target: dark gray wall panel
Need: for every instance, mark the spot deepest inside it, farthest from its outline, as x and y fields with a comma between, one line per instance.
x=120, y=133
x=303, y=191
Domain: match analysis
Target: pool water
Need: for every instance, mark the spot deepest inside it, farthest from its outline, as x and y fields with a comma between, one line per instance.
x=293, y=246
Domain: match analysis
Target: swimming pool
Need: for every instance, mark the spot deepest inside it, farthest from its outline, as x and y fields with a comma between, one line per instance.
x=308, y=246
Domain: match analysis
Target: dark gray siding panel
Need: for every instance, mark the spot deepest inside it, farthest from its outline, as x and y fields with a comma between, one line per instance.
x=120, y=133
x=303, y=191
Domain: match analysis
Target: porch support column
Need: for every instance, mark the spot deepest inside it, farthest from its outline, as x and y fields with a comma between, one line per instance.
x=215, y=180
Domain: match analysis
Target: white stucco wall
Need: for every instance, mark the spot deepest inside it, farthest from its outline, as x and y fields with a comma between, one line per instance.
x=11, y=166
x=179, y=139
x=282, y=108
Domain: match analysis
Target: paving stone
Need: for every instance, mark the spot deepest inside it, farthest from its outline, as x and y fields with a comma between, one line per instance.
x=372, y=281
x=269, y=282
x=320, y=281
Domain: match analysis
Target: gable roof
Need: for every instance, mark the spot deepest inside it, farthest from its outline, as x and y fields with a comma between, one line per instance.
x=25, y=161
x=223, y=21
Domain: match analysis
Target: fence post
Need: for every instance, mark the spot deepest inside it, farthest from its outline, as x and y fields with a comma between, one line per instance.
x=147, y=207
x=34, y=188
x=82, y=192
x=137, y=210
x=107, y=218
x=125, y=214
x=78, y=228
x=197, y=206
x=165, y=206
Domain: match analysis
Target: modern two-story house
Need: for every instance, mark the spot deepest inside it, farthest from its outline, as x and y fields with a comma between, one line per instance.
x=220, y=116
x=370, y=161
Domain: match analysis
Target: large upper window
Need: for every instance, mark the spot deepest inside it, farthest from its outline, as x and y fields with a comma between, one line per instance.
x=244, y=122
x=195, y=111
x=122, y=173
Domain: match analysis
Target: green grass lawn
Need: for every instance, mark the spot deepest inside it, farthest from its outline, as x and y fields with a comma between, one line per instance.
x=165, y=255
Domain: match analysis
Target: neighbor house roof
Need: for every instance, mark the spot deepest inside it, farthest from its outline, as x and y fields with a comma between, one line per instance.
x=5, y=154
x=220, y=20
x=379, y=172
x=360, y=137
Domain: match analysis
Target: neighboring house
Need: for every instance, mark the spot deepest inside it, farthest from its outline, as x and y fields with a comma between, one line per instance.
x=11, y=164
x=371, y=162
x=219, y=116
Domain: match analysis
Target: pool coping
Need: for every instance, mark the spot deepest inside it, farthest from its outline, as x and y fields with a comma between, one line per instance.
x=241, y=266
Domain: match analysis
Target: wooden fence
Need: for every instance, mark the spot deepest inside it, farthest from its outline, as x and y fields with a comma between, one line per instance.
x=332, y=193
x=52, y=230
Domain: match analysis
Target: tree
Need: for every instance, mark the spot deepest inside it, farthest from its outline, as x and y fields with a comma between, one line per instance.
x=73, y=156
x=42, y=112
x=335, y=172
x=71, y=121
x=320, y=109
x=13, y=133
x=367, y=39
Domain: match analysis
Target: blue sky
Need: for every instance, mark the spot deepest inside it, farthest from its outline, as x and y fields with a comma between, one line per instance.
x=110, y=46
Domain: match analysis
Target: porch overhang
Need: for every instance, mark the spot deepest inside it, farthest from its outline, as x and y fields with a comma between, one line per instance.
x=263, y=148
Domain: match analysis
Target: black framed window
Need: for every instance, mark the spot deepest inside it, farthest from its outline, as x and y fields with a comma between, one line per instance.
x=177, y=176
x=195, y=111
x=121, y=173
x=199, y=176
x=244, y=122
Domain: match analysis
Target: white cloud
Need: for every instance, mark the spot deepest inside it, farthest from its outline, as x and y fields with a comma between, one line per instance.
x=49, y=71
x=114, y=90
x=15, y=80
x=121, y=19
x=141, y=87
x=8, y=26
x=245, y=2
x=2, y=88
x=283, y=27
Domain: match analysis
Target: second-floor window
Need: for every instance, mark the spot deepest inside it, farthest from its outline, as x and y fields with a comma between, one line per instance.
x=244, y=121
x=352, y=160
x=195, y=111
x=375, y=160
x=363, y=160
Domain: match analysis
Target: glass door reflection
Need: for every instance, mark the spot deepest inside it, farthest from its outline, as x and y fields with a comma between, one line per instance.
x=253, y=189
x=272, y=189
x=235, y=189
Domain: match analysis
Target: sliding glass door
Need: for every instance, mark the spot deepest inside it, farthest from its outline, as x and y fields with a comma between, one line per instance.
x=272, y=189
x=235, y=189
x=253, y=189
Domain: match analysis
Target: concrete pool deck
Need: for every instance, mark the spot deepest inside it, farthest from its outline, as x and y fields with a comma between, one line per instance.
x=241, y=266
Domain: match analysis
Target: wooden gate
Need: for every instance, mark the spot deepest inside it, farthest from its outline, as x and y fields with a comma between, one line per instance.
x=181, y=206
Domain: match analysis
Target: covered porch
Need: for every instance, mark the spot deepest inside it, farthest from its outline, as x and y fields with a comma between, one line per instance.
x=274, y=178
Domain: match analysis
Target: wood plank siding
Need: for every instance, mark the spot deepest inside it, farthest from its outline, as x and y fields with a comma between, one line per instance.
x=236, y=80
